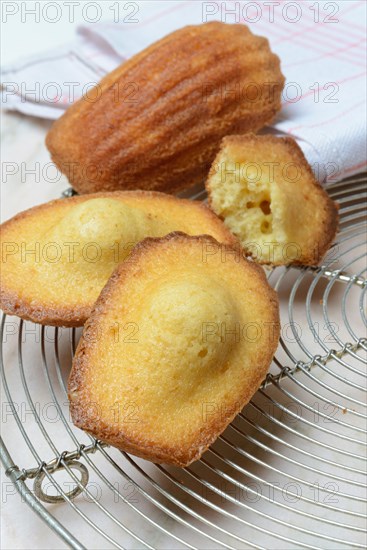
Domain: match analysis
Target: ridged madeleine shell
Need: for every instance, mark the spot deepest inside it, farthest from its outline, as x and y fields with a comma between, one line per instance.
x=156, y=121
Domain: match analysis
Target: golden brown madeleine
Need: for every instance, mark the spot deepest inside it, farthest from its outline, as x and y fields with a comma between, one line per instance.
x=57, y=257
x=186, y=332
x=265, y=191
x=156, y=121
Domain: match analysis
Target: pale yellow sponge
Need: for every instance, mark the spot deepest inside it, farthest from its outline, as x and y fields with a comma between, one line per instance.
x=265, y=191
x=57, y=257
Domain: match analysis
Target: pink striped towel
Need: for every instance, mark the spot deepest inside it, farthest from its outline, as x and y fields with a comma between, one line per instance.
x=321, y=45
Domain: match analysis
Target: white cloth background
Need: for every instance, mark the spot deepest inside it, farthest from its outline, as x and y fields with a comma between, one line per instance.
x=321, y=46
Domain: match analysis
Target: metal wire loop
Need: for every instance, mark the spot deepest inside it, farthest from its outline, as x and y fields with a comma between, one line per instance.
x=289, y=472
x=52, y=499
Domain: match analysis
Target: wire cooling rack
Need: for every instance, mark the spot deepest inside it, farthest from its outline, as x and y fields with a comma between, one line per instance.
x=290, y=471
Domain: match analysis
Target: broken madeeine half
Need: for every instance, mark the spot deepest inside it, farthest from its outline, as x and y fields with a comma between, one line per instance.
x=264, y=190
x=179, y=340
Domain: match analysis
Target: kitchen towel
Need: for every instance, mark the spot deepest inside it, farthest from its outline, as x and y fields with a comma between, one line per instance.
x=321, y=46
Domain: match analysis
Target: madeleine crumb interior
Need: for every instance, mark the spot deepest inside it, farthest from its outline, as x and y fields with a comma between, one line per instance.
x=265, y=191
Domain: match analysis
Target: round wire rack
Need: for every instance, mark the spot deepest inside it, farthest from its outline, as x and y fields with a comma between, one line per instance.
x=289, y=472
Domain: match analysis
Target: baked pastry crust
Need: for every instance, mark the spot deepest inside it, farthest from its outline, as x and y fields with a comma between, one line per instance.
x=281, y=214
x=157, y=120
x=167, y=395
x=36, y=287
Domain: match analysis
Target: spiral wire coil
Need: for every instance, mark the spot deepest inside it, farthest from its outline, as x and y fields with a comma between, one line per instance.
x=289, y=472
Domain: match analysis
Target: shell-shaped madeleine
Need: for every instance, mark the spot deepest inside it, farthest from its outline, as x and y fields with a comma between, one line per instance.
x=156, y=121
x=186, y=332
